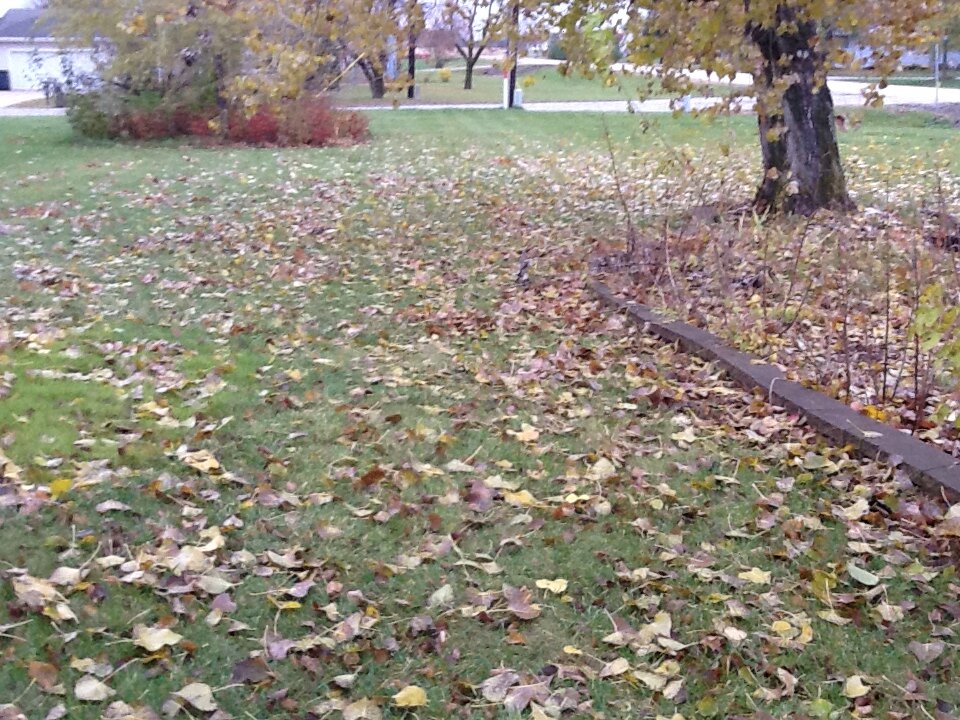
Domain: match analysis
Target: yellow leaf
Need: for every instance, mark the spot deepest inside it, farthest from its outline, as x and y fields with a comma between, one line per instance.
x=756, y=576
x=555, y=586
x=854, y=687
x=154, y=638
x=285, y=604
x=410, y=696
x=522, y=498
x=202, y=460
x=60, y=486
x=571, y=650
x=783, y=629
x=528, y=433
x=831, y=616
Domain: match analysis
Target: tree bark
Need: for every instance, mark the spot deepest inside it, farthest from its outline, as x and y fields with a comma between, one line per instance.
x=468, y=74
x=374, y=76
x=411, y=65
x=798, y=134
x=223, y=108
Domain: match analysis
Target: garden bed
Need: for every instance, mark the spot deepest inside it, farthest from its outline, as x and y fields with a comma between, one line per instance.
x=861, y=306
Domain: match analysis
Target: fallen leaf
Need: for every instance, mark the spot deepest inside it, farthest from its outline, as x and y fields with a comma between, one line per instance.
x=756, y=576
x=152, y=639
x=926, y=652
x=44, y=674
x=60, y=486
x=199, y=695
x=557, y=586
x=363, y=709
x=494, y=689
x=523, y=498
x=90, y=689
x=441, y=598
x=854, y=688
x=862, y=576
x=615, y=668
x=518, y=602
x=202, y=460
x=252, y=670
x=410, y=696
x=601, y=470
x=527, y=434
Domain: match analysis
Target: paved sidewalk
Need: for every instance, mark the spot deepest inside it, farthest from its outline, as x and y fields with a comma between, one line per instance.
x=846, y=93
x=31, y=112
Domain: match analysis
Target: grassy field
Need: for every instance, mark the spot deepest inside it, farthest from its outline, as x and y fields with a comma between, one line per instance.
x=281, y=435
x=538, y=85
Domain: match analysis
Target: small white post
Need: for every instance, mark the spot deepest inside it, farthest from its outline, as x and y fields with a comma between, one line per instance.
x=936, y=75
x=506, y=91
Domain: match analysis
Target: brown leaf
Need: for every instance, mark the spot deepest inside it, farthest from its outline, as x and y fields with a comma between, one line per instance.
x=44, y=674
x=518, y=602
x=252, y=670
x=495, y=688
x=927, y=652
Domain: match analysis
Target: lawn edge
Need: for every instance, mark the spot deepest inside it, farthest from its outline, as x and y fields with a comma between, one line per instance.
x=931, y=469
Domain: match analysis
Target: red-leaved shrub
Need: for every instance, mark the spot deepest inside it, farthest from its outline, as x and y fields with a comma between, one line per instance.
x=146, y=125
x=186, y=121
x=261, y=128
x=307, y=121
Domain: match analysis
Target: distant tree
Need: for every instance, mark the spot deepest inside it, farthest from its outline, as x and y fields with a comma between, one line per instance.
x=474, y=24
x=787, y=45
x=294, y=44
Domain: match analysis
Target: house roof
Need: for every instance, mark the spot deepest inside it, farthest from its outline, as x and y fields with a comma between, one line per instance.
x=24, y=23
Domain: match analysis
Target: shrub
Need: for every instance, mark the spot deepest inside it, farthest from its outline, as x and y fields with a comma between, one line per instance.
x=354, y=126
x=87, y=118
x=261, y=128
x=189, y=121
x=146, y=125
x=306, y=121
x=313, y=121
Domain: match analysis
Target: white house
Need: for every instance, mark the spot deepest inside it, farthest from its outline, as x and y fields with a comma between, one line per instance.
x=29, y=55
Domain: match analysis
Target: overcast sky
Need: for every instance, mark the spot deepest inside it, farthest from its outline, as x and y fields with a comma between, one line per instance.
x=10, y=4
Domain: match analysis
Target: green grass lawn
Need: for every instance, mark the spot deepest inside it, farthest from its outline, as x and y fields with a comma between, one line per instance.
x=281, y=427
x=538, y=85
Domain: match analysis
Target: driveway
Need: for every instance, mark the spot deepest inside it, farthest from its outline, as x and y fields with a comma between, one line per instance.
x=14, y=97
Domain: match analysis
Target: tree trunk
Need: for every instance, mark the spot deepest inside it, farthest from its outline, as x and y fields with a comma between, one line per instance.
x=223, y=109
x=468, y=75
x=798, y=134
x=374, y=75
x=411, y=65
x=378, y=86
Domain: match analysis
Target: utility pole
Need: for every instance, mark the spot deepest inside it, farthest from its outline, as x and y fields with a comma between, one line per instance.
x=515, y=55
x=411, y=64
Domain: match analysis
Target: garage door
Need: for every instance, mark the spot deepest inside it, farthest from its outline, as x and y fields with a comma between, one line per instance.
x=28, y=70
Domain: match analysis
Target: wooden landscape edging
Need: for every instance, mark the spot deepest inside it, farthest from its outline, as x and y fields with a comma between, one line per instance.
x=932, y=469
